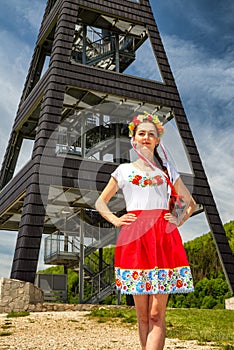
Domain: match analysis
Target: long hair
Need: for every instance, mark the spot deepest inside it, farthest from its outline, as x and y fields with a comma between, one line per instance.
x=159, y=162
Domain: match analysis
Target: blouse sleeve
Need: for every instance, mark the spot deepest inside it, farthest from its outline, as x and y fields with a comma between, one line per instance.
x=118, y=176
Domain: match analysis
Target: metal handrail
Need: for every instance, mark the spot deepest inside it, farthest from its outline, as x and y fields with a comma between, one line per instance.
x=106, y=45
x=99, y=280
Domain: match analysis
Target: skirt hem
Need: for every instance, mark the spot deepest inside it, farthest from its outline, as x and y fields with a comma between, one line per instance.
x=159, y=292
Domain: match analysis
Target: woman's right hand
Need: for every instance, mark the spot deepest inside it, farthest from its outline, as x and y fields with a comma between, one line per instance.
x=126, y=219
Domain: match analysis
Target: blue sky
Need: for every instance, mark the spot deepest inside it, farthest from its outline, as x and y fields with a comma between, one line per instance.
x=198, y=39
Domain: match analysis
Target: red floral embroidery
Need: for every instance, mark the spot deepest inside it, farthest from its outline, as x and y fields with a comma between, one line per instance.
x=148, y=286
x=136, y=179
x=148, y=182
x=179, y=284
x=158, y=179
x=145, y=181
x=118, y=283
x=170, y=273
x=154, y=281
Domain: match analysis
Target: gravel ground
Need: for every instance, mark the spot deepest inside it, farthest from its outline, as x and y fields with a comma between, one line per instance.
x=73, y=330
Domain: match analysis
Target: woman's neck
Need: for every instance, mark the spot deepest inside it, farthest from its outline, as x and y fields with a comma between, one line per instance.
x=143, y=165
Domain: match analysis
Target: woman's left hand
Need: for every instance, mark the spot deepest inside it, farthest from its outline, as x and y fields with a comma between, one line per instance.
x=172, y=219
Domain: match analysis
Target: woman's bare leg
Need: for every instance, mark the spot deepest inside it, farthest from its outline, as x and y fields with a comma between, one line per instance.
x=151, y=311
x=157, y=323
x=142, y=312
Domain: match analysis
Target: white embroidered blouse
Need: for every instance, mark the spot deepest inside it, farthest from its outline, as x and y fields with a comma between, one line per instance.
x=144, y=190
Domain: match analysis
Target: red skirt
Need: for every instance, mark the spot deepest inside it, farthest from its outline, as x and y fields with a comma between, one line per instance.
x=150, y=257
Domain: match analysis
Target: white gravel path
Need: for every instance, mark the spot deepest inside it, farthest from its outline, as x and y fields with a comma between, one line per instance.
x=74, y=331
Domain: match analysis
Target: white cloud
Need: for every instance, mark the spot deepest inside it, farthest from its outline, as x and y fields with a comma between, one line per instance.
x=206, y=87
x=25, y=16
x=216, y=149
x=31, y=14
x=194, y=227
x=7, y=246
x=14, y=62
x=145, y=65
x=199, y=76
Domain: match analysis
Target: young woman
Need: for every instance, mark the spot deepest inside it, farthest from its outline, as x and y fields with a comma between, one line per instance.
x=150, y=260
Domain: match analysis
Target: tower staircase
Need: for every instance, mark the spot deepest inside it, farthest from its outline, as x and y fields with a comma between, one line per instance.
x=105, y=49
x=72, y=250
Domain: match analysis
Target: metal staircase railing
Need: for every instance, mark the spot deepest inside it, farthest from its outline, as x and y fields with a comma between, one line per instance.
x=101, y=284
x=102, y=52
x=101, y=295
x=65, y=249
x=105, y=241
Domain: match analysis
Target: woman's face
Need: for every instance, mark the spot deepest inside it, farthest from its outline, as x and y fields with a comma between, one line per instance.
x=146, y=136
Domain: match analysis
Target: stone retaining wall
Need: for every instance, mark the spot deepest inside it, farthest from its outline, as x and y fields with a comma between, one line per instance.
x=44, y=307
x=18, y=295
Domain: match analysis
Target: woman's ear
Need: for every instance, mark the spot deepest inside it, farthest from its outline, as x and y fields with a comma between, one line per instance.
x=157, y=142
x=134, y=143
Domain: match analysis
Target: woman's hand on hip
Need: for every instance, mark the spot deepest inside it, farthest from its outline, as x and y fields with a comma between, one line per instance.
x=126, y=219
x=172, y=219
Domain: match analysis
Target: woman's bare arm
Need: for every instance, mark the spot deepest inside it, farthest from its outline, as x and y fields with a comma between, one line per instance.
x=102, y=207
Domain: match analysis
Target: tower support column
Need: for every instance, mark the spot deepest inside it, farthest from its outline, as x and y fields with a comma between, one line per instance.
x=28, y=242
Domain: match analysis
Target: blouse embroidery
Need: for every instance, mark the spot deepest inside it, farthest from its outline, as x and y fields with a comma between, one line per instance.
x=144, y=181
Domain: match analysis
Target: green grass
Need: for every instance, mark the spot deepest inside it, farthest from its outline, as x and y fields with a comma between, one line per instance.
x=17, y=314
x=103, y=315
x=201, y=324
x=216, y=326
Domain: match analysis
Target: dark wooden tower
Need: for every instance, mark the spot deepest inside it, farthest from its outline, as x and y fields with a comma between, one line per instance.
x=75, y=105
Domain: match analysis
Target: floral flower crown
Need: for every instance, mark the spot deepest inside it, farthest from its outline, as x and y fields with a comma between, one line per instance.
x=146, y=117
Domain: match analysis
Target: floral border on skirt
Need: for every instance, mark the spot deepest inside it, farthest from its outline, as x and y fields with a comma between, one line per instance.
x=154, y=281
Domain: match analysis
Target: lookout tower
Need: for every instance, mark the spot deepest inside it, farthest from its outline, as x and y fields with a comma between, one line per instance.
x=83, y=87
